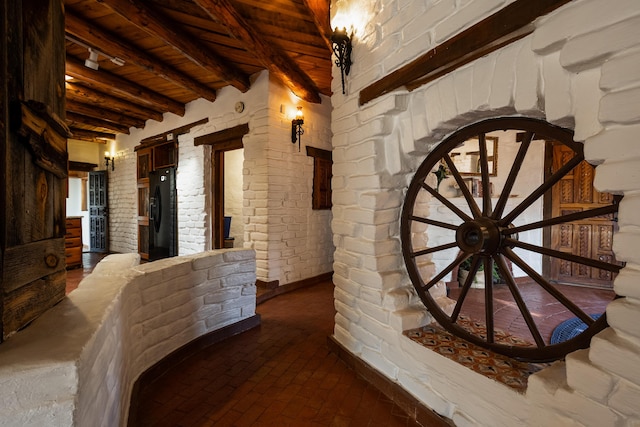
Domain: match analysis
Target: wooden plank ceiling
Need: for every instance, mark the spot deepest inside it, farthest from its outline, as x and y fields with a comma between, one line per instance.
x=154, y=56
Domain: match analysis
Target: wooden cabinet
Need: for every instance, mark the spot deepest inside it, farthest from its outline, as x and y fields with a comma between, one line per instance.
x=73, y=242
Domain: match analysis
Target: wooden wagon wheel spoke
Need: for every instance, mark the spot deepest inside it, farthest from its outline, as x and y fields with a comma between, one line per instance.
x=473, y=269
x=463, y=216
x=591, y=213
x=433, y=222
x=513, y=173
x=475, y=210
x=548, y=287
x=544, y=187
x=484, y=173
x=434, y=249
x=486, y=237
x=461, y=257
x=526, y=314
x=565, y=256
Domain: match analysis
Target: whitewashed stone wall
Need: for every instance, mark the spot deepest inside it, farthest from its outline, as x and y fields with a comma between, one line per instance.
x=76, y=365
x=123, y=203
x=580, y=69
x=292, y=242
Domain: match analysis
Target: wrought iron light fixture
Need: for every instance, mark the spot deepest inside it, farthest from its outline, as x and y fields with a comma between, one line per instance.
x=108, y=157
x=342, y=48
x=296, y=127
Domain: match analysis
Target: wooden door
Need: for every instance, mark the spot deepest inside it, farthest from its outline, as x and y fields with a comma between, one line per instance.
x=98, y=212
x=591, y=238
x=33, y=161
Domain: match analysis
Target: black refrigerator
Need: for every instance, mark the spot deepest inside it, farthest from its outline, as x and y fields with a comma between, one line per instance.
x=163, y=208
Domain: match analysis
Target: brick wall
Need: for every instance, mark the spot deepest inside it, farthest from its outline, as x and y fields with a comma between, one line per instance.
x=579, y=69
x=292, y=242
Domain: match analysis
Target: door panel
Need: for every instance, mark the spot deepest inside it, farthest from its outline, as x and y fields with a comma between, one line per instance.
x=591, y=238
x=98, y=212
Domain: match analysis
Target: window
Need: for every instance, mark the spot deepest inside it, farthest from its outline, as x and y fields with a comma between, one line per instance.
x=321, y=197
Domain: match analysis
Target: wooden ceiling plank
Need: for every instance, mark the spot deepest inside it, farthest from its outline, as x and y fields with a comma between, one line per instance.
x=91, y=135
x=95, y=36
x=75, y=119
x=278, y=64
x=83, y=94
x=103, y=114
x=319, y=10
x=119, y=87
x=157, y=24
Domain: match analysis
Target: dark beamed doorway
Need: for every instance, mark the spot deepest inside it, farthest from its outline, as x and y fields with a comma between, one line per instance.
x=221, y=143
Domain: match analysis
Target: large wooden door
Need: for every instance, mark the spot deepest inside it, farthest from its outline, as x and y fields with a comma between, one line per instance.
x=98, y=212
x=33, y=161
x=591, y=238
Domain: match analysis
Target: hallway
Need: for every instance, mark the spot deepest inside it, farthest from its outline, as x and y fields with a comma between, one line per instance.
x=281, y=373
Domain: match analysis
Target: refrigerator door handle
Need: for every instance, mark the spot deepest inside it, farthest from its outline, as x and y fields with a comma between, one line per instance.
x=156, y=209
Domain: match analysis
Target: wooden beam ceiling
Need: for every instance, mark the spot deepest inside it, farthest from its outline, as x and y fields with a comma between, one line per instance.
x=117, y=86
x=157, y=24
x=93, y=35
x=155, y=56
x=282, y=67
x=91, y=135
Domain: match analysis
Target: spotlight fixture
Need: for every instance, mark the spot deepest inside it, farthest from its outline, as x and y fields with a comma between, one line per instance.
x=108, y=157
x=342, y=48
x=92, y=61
x=296, y=127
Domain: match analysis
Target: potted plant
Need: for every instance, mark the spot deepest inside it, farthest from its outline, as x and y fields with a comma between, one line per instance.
x=478, y=280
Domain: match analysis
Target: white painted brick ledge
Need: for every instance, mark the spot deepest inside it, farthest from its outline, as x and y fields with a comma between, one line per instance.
x=77, y=363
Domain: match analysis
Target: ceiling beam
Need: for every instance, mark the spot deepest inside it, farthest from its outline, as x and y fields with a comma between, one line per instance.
x=110, y=43
x=103, y=114
x=84, y=94
x=91, y=135
x=117, y=86
x=75, y=120
x=319, y=10
x=157, y=24
x=278, y=64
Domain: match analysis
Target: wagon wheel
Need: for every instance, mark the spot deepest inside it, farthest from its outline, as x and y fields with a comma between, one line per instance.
x=484, y=234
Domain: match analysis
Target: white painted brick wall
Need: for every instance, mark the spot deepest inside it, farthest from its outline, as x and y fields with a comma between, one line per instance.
x=76, y=365
x=292, y=241
x=579, y=69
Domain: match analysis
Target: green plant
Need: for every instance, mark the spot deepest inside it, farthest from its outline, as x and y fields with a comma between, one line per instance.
x=466, y=265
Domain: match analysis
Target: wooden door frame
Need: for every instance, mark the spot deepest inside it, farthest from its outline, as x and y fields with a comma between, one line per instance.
x=220, y=142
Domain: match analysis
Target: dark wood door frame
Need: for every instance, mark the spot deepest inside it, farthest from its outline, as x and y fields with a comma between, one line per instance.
x=220, y=142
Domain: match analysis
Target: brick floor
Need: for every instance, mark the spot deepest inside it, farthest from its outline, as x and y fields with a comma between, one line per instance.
x=281, y=373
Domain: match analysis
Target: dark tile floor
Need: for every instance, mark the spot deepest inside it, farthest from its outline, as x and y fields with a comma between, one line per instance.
x=281, y=373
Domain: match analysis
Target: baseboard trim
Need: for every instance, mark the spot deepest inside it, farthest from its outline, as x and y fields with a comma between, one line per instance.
x=269, y=293
x=412, y=406
x=148, y=377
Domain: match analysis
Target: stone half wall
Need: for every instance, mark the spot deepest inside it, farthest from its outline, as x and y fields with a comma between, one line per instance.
x=76, y=365
x=580, y=69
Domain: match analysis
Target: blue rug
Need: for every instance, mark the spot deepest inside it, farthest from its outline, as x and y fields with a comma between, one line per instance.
x=570, y=328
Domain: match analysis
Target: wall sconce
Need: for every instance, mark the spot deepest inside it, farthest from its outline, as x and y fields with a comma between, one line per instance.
x=108, y=157
x=296, y=127
x=342, y=48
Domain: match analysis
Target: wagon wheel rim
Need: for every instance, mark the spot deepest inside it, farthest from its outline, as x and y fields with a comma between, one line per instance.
x=486, y=235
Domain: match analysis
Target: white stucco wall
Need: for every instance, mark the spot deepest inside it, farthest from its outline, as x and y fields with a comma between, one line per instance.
x=292, y=242
x=579, y=69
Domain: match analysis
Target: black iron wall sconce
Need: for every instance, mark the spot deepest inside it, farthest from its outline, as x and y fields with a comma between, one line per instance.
x=109, y=158
x=342, y=48
x=296, y=127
